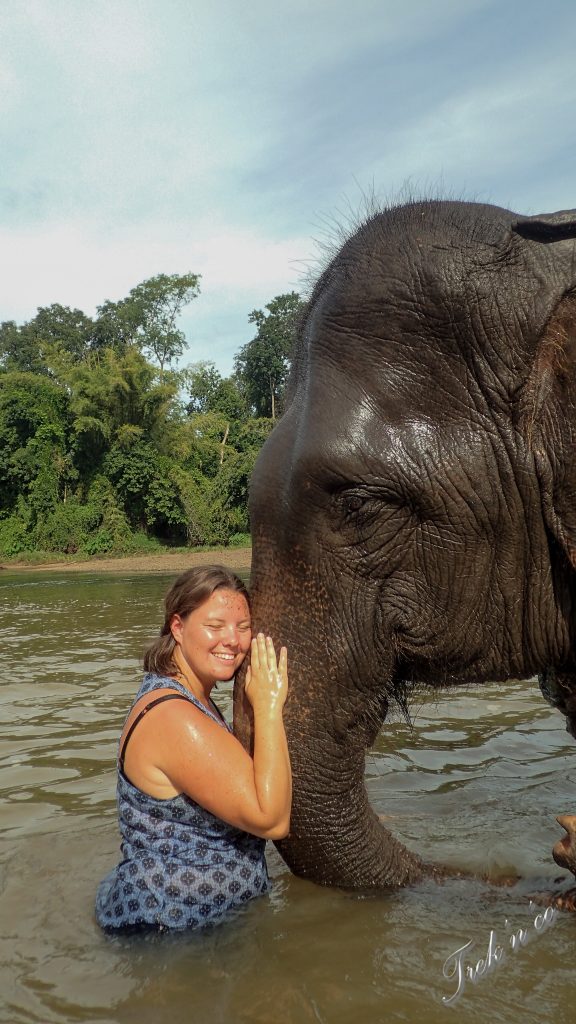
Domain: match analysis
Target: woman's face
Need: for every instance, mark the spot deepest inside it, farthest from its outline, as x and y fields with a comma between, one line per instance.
x=215, y=638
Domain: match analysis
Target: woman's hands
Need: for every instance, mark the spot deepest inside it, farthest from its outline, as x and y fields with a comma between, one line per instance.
x=266, y=679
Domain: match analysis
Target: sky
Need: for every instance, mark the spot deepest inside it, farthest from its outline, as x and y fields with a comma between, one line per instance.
x=236, y=140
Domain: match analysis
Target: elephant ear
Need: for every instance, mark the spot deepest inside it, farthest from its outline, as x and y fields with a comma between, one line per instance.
x=547, y=227
x=548, y=401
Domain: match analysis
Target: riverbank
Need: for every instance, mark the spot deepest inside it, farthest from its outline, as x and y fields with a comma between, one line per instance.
x=167, y=562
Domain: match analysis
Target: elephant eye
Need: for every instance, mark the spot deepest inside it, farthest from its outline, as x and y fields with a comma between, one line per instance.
x=354, y=502
x=370, y=503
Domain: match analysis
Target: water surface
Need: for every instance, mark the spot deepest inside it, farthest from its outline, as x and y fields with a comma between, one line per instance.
x=476, y=782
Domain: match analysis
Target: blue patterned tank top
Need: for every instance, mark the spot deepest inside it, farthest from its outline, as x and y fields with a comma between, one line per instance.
x=182, y=867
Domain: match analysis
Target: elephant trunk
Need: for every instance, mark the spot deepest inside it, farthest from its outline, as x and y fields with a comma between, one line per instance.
x=335, y=837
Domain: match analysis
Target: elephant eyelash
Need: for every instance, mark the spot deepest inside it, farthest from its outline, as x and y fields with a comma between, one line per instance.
x=352, y=504
x=349, y=502
x=363, y=506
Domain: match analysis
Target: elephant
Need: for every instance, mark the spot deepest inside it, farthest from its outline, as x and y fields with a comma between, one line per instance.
x=413, y=513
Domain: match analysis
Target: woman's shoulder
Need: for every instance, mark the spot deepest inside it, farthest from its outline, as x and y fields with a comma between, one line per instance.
x=155, y=688
x=152, y=681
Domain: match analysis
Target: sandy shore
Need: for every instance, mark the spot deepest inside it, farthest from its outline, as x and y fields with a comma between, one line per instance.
x=237, y=558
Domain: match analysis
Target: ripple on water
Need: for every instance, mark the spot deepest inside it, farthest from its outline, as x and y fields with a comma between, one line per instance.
x=476, y=781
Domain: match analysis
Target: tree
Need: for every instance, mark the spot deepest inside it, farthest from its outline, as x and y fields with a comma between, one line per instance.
x=147, y=318
x=34, y=422
x=116, y=326
x=205, y=436
x=55, y=331
x=262, y=365
x=118, y=399
x=202, y=382
x=160, y=301
x=210, y=392
x=69, y=330
x=229, y=488
x=146, y=483
x=100, y=439
x=19, y=349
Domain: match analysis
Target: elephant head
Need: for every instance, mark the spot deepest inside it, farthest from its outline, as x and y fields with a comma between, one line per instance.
x=414, y=511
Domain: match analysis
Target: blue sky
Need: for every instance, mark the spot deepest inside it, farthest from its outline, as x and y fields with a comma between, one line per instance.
x=140, y=137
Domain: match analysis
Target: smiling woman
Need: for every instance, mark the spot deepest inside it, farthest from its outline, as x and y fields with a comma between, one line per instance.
x=194, y=808
x=215, y=637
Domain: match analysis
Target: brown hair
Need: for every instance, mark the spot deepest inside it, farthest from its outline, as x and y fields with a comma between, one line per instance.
x=189, y=590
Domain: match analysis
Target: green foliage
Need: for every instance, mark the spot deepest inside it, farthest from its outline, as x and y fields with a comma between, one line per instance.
x=13, y=537
x=105, y=450
x=229, y=498
x=56, y=329
x=147, y=318
x=116, y=326
x=15, y=534
x=145, y=481
x=61, y=328
x=210, y=392
x=19, y=350
x=67, y=528
x=253, y=433
x=33, y=439
x=240, y=540
x=206, y=435
x=202, y=381
x=114, y=533
x=194, y=491
x=160, y=301
x=262, y=365
x=116, y=399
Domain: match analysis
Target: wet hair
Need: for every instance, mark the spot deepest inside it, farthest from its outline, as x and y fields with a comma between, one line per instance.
x=189, y=590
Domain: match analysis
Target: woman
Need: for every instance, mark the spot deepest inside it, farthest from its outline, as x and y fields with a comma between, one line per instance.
x=194, y=808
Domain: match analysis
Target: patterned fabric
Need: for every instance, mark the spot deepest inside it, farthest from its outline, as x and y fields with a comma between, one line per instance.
x=182, y=866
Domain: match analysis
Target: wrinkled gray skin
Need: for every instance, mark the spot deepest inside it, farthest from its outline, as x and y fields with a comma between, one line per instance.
x=414, y=511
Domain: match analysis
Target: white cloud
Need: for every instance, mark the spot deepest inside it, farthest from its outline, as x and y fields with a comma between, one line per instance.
x=77, y=266
x=140, y=137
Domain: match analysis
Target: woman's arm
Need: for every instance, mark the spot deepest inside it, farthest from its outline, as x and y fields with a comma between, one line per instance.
x=266, y=690
x=178, y=749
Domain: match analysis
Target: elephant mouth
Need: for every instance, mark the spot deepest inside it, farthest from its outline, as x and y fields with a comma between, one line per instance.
x=559, y=689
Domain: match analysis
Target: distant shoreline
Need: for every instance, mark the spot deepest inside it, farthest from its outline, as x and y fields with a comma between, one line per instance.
x=166, y=562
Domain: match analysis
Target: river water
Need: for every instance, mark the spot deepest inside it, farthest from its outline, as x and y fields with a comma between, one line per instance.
x=476, y=782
